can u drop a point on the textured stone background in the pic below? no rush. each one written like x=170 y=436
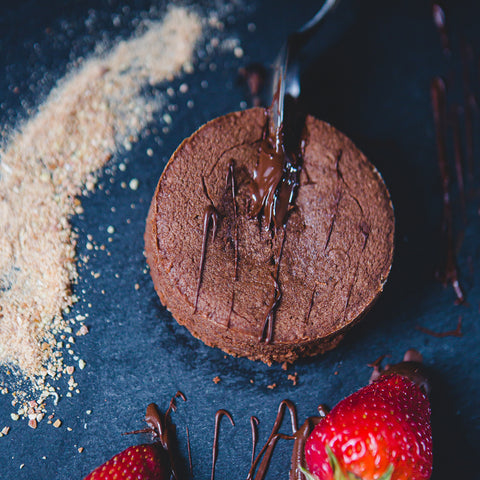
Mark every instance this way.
x=369 y=74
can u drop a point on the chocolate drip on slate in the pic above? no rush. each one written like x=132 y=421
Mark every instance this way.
x=254 y=424
x=449 y=272
x=218 y=417
x=457 y=148
x=164 y=430
x=469 y=104
x=449 y=333
x=411 y=367
x=298 y=454
x=440 y=22
x=189 y=449
x=260 y=465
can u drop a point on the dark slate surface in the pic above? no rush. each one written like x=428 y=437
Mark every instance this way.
x=372 y=82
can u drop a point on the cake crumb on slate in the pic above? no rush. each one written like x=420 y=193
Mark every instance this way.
x=293 y=378
x=216 y=380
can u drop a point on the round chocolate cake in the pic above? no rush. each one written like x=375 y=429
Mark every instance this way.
x=239 y=285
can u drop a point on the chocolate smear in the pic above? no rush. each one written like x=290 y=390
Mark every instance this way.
x=448 y=273
x=262 y=461
x=210 y=217
x=218 y=416
x=439 y=19
x=411 y=367
x=457 y=332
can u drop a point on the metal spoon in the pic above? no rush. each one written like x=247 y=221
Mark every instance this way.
x=286 y=78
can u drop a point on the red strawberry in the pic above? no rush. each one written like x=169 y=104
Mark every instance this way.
x=380 y=432
x=148 y=461
x=143 y=462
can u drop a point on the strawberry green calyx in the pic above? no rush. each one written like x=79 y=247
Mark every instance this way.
x=338 y=473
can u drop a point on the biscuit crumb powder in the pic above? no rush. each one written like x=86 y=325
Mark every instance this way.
x=48 y=161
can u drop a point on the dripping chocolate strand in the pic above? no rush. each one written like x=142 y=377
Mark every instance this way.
x=218 y=416
x=267 y=330
x=469 y=102
x=449 y=333
x=254 y=424
x=457 y=149
x=449 y=273
x=163 y=429
x=267 y=449
x=232 y=187
x=298 y=456
x=210 y=217
x=189 y=450
x=440 y=22
x=337 y=200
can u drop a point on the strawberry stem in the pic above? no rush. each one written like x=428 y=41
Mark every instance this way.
x=339 y=474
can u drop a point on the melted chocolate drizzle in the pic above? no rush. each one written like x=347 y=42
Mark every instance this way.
x=268 y=323
x=163 y=429
x=439 y=19
x=449 y=333
x=276 y=178
x=262 y=461
x=469 y=106
x=232 y=187
x=218 y=416
x=210 y=217
x=254 y=426
x=457 y=148
x=449 y=273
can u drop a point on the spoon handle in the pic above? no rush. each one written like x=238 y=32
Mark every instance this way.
x=286 y=71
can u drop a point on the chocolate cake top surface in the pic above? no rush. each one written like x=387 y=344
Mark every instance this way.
x=334 y=254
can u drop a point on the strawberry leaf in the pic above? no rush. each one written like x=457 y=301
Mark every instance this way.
x=339 y=474
x=388 y=474
x=307 y=474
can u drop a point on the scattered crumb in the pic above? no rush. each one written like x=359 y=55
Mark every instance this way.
x=81 y=364
x=137 y=286
x=293 y=378
x=216 y=380
x=272 y=386
x=252 y=381
x=80 y=449
x=284 y=365
x=57 y=423
x=133 y=184
x=32 y=423
x=14 y=416
x=82 y=331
